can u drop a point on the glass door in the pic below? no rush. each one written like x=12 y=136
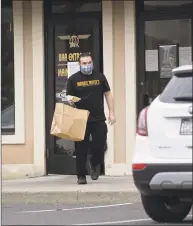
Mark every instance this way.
x=163 y=41
x=67 y=38
x=168 y=44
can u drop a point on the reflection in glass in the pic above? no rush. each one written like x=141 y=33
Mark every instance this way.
x=7 y=69
x=65 y=147
x=76 y=6
x=177 y=31
x=161 y=5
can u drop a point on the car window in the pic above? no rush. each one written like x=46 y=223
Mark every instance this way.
x=178 y=89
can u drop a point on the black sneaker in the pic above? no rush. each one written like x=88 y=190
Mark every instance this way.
x=81 y=180
x=94 y=172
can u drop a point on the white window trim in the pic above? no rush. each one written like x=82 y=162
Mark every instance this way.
x=107 y=8
x=38 y=87
x=112 y=168
x=19 y=136
x=130 y=80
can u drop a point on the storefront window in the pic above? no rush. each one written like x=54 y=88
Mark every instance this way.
x=177 y=32
x=7 y=69
x=168 y=41
x=160 y=5
x=76 y=6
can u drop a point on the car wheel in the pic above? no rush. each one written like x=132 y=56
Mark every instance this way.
x=162 y=209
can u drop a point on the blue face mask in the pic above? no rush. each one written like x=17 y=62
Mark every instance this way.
x=86 y=69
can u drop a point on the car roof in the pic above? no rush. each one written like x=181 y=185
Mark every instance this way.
x=182 y=69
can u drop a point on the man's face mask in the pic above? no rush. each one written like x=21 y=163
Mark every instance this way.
x=87 y=68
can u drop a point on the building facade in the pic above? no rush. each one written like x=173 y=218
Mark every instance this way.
x=41 y=43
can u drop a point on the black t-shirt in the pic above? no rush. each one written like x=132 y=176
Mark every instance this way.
x=91 y=89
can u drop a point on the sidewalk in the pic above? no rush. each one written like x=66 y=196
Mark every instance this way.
x=63 y=189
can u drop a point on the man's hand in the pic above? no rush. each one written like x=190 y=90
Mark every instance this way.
x=110 y=104
x=112 y=118
x=71 y=102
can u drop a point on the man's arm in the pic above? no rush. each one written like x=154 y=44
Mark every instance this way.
x=69 y=91
x=69 y=88
x=110 y=102
x=109 y=99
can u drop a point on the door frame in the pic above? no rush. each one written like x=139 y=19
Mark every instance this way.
x=51 y=19
x=141 y=17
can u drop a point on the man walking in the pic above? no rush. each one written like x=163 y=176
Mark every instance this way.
x=91 y=86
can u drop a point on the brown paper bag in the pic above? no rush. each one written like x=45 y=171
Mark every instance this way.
x=69 y=123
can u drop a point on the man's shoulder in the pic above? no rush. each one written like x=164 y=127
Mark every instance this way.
x=74 y=76
x=100 y=74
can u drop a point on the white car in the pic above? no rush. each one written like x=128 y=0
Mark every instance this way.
x=162 y=160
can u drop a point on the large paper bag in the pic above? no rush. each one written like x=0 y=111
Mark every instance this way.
x=69 y=123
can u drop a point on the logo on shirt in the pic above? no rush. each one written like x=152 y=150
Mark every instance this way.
x=88 y=83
